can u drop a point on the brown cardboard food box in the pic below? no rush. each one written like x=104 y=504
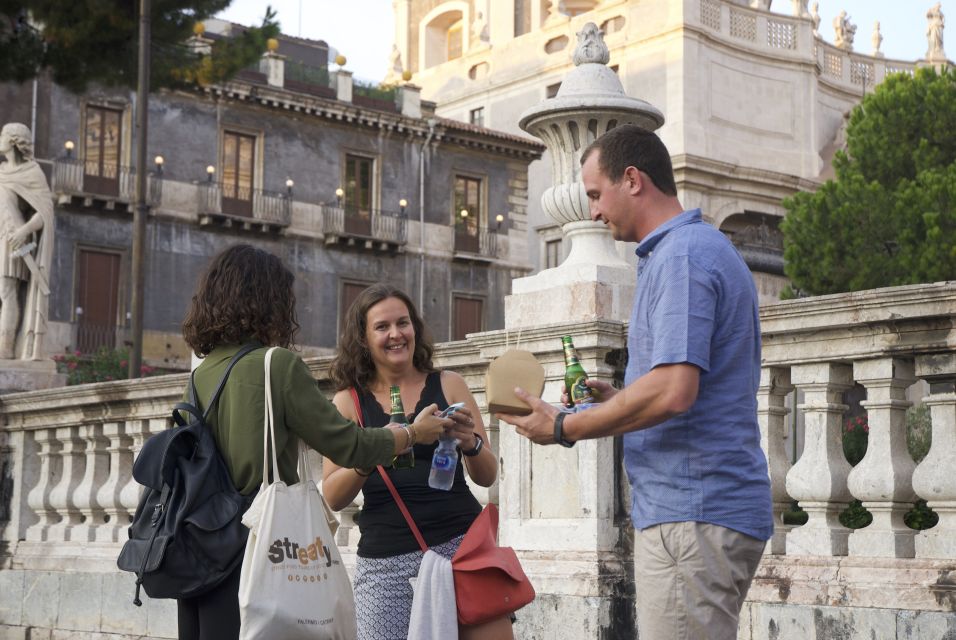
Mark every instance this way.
x=513 y=368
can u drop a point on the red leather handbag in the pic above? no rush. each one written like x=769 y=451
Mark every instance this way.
x=489 y=580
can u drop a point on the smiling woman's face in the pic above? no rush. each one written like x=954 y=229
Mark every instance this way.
x=390 y=334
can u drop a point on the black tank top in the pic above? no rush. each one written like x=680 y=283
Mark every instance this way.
x=440 y=515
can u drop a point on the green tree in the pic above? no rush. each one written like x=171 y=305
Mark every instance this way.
x=97 y=40
x=889 y=217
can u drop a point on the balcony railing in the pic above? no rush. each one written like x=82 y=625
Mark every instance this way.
x=75 y=177
x=478 y=242
x=372 y=225
x=245 y=204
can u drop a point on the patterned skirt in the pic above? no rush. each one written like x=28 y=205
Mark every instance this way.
x=383 y=593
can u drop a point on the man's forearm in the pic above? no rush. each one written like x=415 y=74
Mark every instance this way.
x=662 y=393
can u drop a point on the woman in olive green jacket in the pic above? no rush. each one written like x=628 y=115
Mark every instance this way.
x=245 y=297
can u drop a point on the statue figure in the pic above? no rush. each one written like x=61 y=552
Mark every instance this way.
x=26 y=246
x=877 y=40
x=815 y=16
x=591 y=47
x=479 y=30
x=934 y=33
x=394 y=75
x=799 y=8
x=844 y=31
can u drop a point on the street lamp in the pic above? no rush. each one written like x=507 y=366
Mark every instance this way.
x=464 y=214
x=402 y=204
x=288 y=186
x=68 y=146
x=339 y=194
x=210 y=172
x=158 y=161
x=499 y=219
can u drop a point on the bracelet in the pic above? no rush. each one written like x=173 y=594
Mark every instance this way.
x=364 y=475
x=412 y=435
x=408 y=437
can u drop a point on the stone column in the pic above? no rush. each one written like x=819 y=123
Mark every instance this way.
x=61 y=502
x=501 y=20
x=818 y=479
x=110 y=494
x=934 y=479
x=882 y=480
x=96 y=472
x=343 y=85
x=772 y=417
x=273 y=65
x=51 y=468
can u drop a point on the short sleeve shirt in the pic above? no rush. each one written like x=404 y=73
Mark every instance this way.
x=696 y=304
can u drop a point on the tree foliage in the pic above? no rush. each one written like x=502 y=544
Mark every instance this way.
x=97 y=41
x=889 y=217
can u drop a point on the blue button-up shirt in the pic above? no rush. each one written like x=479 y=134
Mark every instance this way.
x=696 y=303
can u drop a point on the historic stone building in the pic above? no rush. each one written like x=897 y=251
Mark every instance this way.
x=349 y=185
x=754 y=101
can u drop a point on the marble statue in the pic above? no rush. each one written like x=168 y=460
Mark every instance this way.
x=877 y=39
x=26 y=246
x=815 y=16
x=844 y=31
x=934 y=33
x=799 y=8
x=479 y=30
x=395 y=70
x=591 y=47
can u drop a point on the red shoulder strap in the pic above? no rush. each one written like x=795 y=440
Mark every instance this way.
x=388 y=481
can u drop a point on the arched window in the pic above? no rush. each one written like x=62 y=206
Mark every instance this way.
x=443 y=34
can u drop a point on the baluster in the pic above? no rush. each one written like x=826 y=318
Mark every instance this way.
x=882 y=480
x=818 y=479
x=97 y=463
x=137 y=431
x=772 y=416
x=110 y=495
x=934 y=479
x=51 y=466
x=61 y=497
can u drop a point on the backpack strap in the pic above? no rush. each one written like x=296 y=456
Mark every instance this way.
x=192 y=406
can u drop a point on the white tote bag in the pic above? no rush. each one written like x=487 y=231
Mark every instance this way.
x=293 y=583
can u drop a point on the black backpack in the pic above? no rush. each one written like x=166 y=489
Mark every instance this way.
x=187 y=535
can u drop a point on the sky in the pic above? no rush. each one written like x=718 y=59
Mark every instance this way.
x=363 y=30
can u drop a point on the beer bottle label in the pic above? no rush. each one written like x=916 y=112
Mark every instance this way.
x=580 y=392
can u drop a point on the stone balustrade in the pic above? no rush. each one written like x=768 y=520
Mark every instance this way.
x=67 y=495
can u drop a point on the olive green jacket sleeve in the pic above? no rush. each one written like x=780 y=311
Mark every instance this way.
x=300 y=410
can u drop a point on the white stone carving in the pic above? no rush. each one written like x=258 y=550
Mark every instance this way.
x=843 y=31
x=877 y=40
x=934 y=33
x=26 y=246
x=815 y=16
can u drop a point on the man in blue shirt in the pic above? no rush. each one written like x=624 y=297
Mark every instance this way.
x=701 y=504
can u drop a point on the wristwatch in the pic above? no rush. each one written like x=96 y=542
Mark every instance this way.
x=559 y=430
x=471 y=453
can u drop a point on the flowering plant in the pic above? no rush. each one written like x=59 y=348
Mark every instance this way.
x=102 y=366
x=855 y=435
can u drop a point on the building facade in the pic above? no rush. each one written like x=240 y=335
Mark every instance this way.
x=754 y=102
x=348 y=185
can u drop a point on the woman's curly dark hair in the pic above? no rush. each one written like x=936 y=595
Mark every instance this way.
x=353 y=366
x=246 y=294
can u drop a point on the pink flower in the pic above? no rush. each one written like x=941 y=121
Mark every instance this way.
x=77 y=353
x=123 y=364
x=71 y=366
x=866 y=428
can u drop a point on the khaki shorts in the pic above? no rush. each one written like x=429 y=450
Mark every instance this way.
x=691 y=580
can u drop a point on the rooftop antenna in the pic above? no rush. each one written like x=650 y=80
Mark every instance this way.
x=300 y=18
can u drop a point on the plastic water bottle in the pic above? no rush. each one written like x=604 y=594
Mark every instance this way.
x=444 y=463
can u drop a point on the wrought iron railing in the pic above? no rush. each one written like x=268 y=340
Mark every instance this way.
x=371 y=224
x=242 y=202
x=481 y=242
x=73 y=176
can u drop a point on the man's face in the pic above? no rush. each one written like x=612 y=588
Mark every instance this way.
x=610 y=202
x=6 y=143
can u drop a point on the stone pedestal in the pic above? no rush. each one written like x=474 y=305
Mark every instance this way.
x=29 y=375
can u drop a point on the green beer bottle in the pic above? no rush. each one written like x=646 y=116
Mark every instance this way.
x=574 y=375
x=405 y=460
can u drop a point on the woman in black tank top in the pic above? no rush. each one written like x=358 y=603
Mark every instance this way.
x=385 y=343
